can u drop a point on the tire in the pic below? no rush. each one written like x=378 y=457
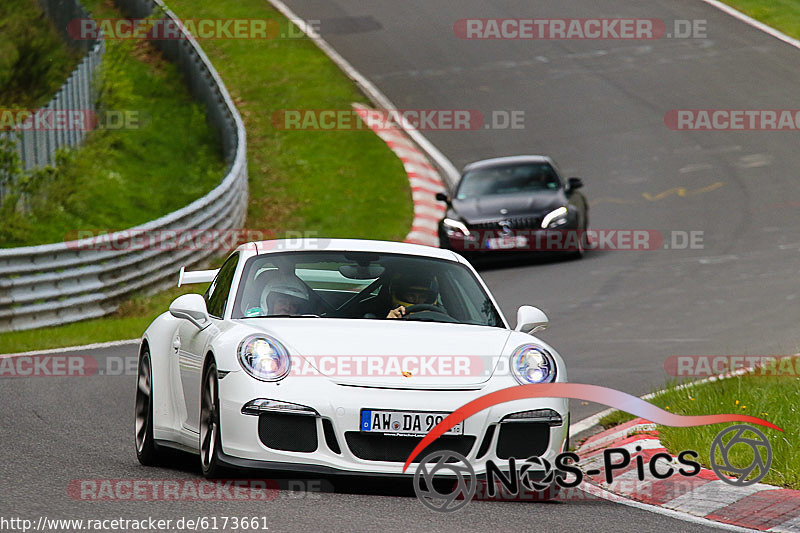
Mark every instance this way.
x=581 y=251
x=147 y=452
x=209 y=423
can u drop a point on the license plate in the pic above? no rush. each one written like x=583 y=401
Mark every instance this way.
x=507 y=242
x=409 y=423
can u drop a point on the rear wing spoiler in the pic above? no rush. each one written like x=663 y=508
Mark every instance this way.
x=197 y=276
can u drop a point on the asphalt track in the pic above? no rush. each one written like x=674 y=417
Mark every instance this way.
x=598 y=108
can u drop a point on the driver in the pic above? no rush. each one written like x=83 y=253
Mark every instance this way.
x=411 y=289
x=285 y=294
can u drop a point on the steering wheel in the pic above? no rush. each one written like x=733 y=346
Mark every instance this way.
x=427 y=312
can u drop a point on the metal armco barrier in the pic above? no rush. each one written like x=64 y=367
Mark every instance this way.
x=64 y=282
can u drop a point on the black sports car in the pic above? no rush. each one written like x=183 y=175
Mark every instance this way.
x=517 y=203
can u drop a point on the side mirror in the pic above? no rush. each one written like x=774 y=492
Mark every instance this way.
x=574 y=183
x=191 y=307
x=442 y=197
x=531 y=319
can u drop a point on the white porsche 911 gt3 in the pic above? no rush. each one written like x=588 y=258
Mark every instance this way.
x=338 y=356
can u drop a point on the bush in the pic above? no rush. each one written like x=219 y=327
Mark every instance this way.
x=34 y=61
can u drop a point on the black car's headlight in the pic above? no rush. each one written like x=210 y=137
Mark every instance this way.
x=555 y=218
x=264 y=358
x=531 y=363
x=452 y=225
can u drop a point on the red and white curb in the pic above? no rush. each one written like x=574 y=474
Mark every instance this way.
x=759 y=507
x=422 y=175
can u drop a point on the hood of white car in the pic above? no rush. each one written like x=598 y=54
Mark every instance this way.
x=389 y=353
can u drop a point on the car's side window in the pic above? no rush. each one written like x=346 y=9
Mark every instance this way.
x=217 y=294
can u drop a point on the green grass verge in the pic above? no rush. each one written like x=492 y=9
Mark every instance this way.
x=123 y=177
x=614 y=418
x=773 y=398
x=335 y=184
x=770 y=397
x=783 y=15
x=34 y=60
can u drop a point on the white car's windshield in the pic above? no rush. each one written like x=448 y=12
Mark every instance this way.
x=362 y=285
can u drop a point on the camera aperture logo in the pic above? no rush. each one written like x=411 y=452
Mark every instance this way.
x=445 y=462
x=720 y=455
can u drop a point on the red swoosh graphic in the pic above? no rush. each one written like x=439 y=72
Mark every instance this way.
x=578 y=391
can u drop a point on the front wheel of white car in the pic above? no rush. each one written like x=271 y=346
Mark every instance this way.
x=148 y=453
x=209 y=423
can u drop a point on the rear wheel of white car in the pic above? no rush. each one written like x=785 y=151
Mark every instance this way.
x=147 y=451
x=209 y=423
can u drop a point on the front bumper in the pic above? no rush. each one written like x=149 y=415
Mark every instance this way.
x=564 y=239
x=339 y=408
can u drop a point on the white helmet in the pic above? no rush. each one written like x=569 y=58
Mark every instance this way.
x=286 y=284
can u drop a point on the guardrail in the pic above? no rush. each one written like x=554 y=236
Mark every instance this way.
x=37 y=148
x=64 y=282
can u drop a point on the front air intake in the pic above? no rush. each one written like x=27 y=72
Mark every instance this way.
x=288 y=432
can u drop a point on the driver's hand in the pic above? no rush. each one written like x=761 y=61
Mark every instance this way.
x=397 y=313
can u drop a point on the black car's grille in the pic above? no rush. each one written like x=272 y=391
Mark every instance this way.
x=378 y=447
x=513 y=223
x=288 y=432
x=522 y=439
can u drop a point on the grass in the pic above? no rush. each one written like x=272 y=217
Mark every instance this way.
x=123 y=177
x=614 y=418
x=34 y=60
x=783 y=15
x=771 y=397
x=328 y=184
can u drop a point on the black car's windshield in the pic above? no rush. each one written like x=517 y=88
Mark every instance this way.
x=507 y=179
x=362 y=285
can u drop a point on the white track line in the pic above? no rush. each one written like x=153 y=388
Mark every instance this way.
x=94 y=346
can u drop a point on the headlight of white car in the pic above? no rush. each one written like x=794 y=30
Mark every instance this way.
x=264 y=358
x=531 y=363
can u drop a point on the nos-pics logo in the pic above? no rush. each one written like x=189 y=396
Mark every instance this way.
x=445 y=481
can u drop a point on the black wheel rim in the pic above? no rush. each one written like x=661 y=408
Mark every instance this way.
x=209 y=421
x=143 y=396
